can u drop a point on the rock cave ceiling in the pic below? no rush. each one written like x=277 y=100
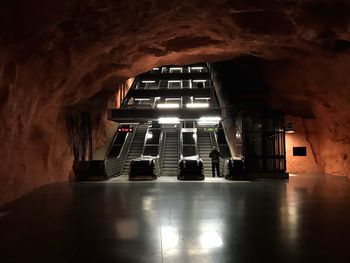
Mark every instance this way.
x=127 y=37
x=57 y=56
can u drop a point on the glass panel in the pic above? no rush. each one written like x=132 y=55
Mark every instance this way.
x=151 y=150
x=154 y=139
x=225 y=151
x=115 y=150
x=189 y=151
x=188 y=138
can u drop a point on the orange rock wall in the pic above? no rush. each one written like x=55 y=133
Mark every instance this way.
x=306 y=135
x=65 y=56
x=324 y=84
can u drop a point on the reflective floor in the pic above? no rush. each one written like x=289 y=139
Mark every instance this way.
x=303 y=219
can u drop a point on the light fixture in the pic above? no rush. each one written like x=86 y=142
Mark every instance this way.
x=142 y=99
x=209 y=120
x=174 y=81
x=168 y=105
x=155 y=68
x=197 y=105
x=175 y=68
x=197 y=68
x=149 y=136
x=202 y=98
x=148 y=81
x=169 y=120
x=290 y=127
x=199 y=80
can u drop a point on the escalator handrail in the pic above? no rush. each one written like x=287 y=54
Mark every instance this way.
x=162 y=150
x=126 y=138
x=111 y=145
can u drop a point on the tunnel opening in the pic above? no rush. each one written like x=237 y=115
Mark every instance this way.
x=173 y=116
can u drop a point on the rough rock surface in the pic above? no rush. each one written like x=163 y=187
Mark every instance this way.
x=64 y=56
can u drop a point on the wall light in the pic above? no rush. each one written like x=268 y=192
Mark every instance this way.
x=290 y=131
x=290 y=127
x=168 y=105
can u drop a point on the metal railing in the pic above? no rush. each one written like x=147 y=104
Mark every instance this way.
x=114 y=166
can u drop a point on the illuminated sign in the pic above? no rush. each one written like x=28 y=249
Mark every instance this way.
x=125 y=129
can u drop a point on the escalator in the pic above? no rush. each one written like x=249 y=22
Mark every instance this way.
x=136 y=148
x=171 y=154
x=190 y=165
x=113 y=161
x=223 y=148
x=205 y=146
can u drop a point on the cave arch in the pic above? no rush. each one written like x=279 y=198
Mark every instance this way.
x=67 y=55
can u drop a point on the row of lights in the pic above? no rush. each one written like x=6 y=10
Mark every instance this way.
x=210 y=120
x=176 y=105
x=173 y=81
x=194 y=68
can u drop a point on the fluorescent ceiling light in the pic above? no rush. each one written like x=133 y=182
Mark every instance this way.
x=148 y=81
x=197 y=105
x=209 y=120
x=175 y=68
x=197 y=68
x=168 y=120
x=199 y=80
x=204 y=98
x=155 y=68
x=207 y=123
x=174 y=81
x=141 y=99
x=168 y=105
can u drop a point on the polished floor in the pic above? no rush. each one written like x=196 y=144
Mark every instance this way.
x=303 y=219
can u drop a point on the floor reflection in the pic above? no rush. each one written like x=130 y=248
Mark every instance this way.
x=303 y=219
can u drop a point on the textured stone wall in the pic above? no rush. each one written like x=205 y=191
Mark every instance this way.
x=305 y=135
x=65 y=56
x=320 y=85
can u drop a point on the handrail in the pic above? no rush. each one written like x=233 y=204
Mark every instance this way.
x=129 y=146
x=111 y=145
x=126 y=138
x=162 y=150
x=196 y=140
x=118 y=161
x=214 y=140
x=180 y=142
x=145 y=141
x=126 y=97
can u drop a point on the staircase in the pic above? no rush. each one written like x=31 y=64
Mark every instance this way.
x=171 y=154
x=205 y=146
x=135 y=148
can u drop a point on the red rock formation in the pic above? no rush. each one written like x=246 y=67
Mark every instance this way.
x=59 y=57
